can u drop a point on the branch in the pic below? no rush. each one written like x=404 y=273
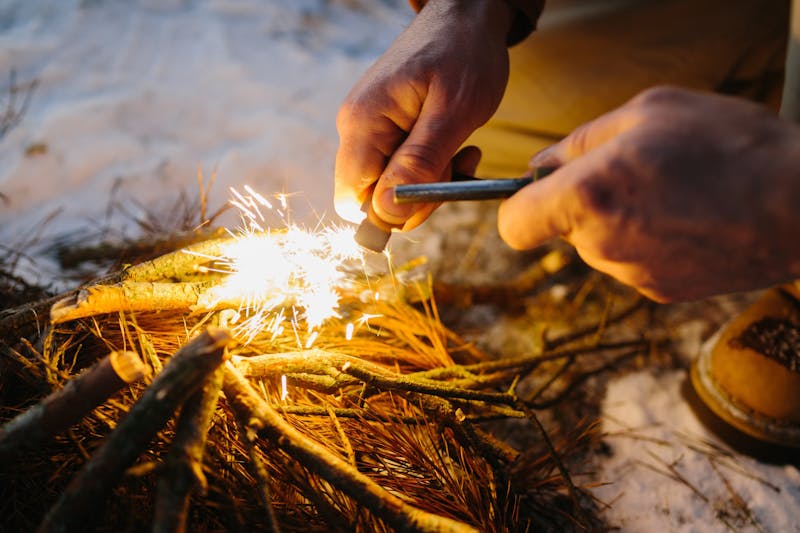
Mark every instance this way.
x=65 y=407
x=257 y=416
x=594 y=328
x=183 y=468
x=74 y=255
x=126 y=296
x=182 y=265
x=182 y=375
x=259 y=471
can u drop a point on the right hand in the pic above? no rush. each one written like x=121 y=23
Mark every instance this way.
x=679 y=194
x=403 y=121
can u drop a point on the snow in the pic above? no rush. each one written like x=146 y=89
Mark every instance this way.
x=651 y=429
x=138 y=94
x=144 y=92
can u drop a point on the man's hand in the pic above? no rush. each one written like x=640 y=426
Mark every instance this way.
x=679 y=194
x=403 y=121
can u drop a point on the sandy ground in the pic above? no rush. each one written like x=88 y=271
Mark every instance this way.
x=131 y=97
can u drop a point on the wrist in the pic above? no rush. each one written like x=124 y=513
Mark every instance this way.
x=492 y=18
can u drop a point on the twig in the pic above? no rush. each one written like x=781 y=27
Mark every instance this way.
x=580 y=378
x=13 y=112
x=433 y=388
x=68 y=405
x=302 y=365
x=526 y=363
x=490 y=448
x=335 y=364
x=551 y=379
x=128 y=296
x=504 y=294
x=259 y=471
x=571 y=488
x=183 y=468
x=185 y=371
x=314 y=361
x=178 y=266
x=26 y=319
x=589 y=330
x=129 y=292
x=70 y=256
x=736 y=499
x=259 y=417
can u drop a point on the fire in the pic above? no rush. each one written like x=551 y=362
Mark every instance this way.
x=272 y=271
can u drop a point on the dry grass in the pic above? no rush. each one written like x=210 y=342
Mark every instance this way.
x=484 y=436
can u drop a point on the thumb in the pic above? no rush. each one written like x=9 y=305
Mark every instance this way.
x=464 y=162
x=424 y=157
x=537 y=212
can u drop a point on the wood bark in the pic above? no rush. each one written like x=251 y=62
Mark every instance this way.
x=182 y=375
x=258 y=416
x=67 y=406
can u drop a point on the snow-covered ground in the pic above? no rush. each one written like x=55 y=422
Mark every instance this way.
x=136 y=94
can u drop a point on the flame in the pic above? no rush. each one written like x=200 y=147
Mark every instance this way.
x=269 y=271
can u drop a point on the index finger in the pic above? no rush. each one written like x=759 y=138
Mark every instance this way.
x=365 y=144
x=588 y=136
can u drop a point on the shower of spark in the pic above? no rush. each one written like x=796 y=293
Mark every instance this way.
x=270 y=271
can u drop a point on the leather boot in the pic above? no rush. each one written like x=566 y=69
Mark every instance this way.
x=749 y=373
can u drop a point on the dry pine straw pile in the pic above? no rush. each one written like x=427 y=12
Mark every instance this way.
x=404 y=426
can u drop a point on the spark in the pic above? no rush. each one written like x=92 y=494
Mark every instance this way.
x=311 y=339
x=284 y=388
x=270 y=271
x=366 y=317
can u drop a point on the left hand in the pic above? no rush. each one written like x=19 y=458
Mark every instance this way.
x=403 y=121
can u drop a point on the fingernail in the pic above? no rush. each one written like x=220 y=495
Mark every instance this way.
x=543 y=158
x=392 y=212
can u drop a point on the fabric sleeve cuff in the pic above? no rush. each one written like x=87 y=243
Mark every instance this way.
x=524 y=22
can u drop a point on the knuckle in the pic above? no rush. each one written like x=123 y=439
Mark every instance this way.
x=350 y=116
x=419 y=162
x=596 y=197
x=579 y=140
x=659 y=96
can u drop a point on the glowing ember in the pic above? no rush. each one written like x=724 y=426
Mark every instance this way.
x=269 y=271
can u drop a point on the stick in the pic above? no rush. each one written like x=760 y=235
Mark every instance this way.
x=72 y=256
x=256 y=415
x=259 y=471
x=65 y=407
x=127 y=296
x=572 y=490
x=183 y=468
x=335 y=365
x=184 y=372
x=182 y=265
x=505 y=294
